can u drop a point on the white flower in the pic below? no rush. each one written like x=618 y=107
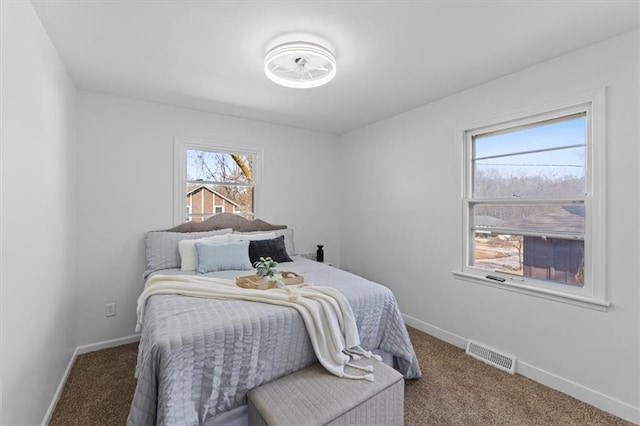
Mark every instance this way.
x=276 y=277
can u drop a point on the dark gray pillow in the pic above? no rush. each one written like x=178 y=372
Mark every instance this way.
x=288 y=238
x=274 y=248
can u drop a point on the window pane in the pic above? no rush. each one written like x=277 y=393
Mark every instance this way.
x=531 y=218
x=550 y=259
x=495 y=252
x=544 y=135
x=555 y=173
x=543 y=160
x=219 y=166
x=205 y=200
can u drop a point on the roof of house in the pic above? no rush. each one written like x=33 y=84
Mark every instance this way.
x=202 y=186
x=554 y=219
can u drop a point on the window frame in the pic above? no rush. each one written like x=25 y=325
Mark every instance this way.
x=594 y=292
x=182 y=144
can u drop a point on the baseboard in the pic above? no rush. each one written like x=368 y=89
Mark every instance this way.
x=592 y=397
x=107 y=344
x=56 y=395
x=434 y=331
x=79 y=351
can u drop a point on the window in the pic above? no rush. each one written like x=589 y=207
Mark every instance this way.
x=532 y=203
x=212 y=180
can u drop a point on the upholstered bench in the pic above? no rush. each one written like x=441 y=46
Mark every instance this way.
x=314 y=396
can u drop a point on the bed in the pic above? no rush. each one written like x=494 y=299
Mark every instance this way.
x=199 y=357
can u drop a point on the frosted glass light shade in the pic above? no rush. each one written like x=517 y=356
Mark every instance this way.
x=300 y=65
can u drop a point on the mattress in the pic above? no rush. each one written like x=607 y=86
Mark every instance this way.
x=198 y=358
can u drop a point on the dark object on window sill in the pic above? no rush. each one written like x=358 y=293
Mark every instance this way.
x=320 y=254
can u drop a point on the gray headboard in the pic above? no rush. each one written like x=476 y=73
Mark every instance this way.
x=226 y=220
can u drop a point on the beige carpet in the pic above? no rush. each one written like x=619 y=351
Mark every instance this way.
x=455 y=390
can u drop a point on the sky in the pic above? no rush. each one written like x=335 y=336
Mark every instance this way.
x=555 y=134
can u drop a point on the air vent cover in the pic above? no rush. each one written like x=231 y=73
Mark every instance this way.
x=492 y=357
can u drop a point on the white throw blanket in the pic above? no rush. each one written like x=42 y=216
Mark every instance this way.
x=325 y=311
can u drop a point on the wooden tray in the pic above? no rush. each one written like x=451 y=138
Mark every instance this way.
x=257 y=283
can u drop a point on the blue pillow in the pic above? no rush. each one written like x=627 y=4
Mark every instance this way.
x=214 y=257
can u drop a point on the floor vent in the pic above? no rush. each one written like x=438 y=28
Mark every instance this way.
x=492 y=357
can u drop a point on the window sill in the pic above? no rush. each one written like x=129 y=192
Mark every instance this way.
x=599 y=305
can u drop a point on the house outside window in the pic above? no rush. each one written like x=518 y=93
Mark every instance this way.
x=202 y=202
x=533 y=207
x=213 y=179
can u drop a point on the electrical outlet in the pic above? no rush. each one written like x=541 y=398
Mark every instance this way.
x=110 y=309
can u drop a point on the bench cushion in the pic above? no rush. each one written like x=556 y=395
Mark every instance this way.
x=313 y=396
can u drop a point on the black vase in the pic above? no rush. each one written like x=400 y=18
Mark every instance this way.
x=320 y=254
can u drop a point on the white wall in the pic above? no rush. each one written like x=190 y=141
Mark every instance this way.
x=403 y=195
x=37 y=217
x=126 y=188
x=72 y=222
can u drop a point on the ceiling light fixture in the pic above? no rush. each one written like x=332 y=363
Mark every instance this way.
x=300 y=65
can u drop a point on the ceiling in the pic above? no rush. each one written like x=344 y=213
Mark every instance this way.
x=392 y=55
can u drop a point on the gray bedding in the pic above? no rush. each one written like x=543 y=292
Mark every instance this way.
x=199 y=357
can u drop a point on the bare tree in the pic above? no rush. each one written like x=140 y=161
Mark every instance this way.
x=232 y=174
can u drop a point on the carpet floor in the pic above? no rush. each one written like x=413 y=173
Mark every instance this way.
x=455 y=389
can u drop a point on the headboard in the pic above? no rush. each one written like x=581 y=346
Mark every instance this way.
x=226 y=220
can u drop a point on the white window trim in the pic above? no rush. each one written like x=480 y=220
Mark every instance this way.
x=594 y=294
x=183 y=143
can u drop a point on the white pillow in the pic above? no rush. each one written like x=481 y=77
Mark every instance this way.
x=288 y=238
x=188 y=255
x=252 y=236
